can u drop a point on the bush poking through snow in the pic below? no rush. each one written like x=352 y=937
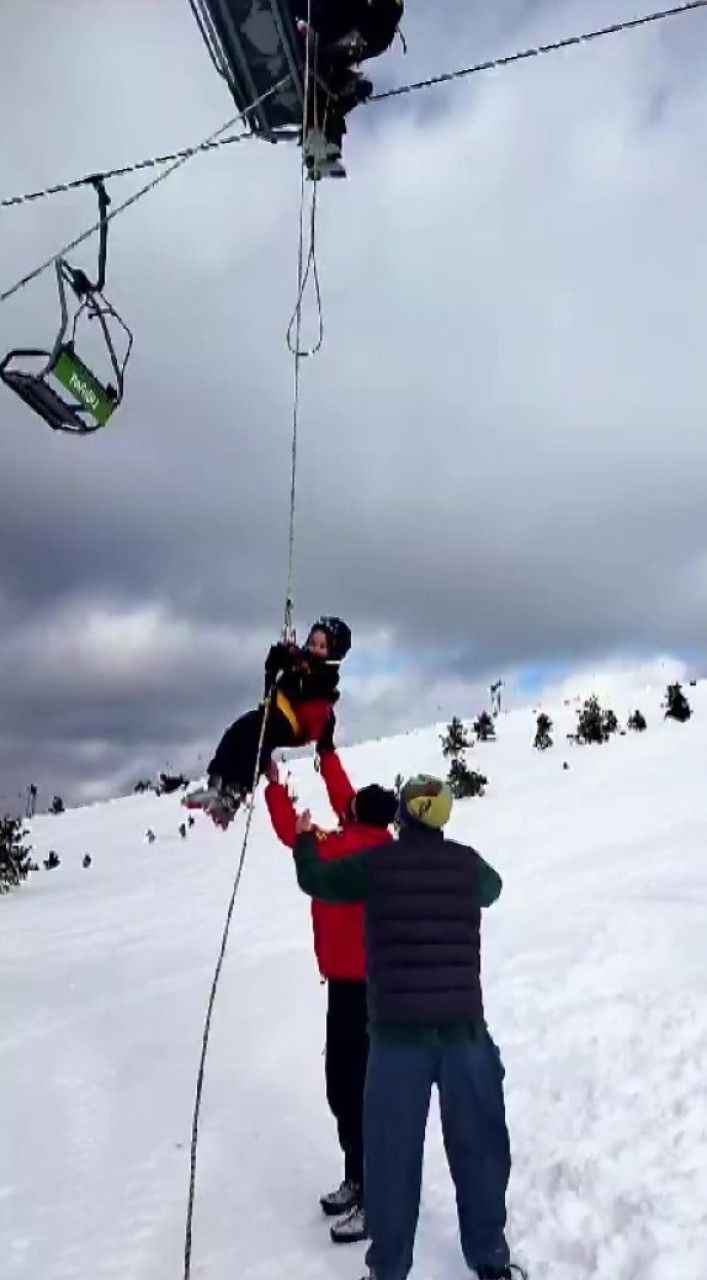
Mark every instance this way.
x=637 y=722
x=57 y=805
x=484 y=728
x=52 y=861
x=594 y=724
x=171 y=782
x=456 y=739
x=611 y=724
x=676 y=704
x=543 y=730
x=15 y=861
x=465 y=782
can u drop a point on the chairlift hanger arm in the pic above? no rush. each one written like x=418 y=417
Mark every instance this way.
x=81 y=284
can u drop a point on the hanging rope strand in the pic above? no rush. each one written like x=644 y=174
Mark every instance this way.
x=296 y=350
x=212 y=996
x=138 y=195
x=288 y=630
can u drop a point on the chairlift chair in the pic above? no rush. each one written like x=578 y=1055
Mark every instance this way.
x=92 y=401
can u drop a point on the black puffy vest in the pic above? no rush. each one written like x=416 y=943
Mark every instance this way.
x=422 y=931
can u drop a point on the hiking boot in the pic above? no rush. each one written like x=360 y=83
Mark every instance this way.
x=334 y=1203
x=351 y=1229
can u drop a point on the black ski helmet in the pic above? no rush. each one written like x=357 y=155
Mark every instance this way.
x=337 y=633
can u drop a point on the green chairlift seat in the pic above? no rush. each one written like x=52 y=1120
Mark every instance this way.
x=43 y=378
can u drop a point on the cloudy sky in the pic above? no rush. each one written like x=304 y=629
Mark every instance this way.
x=503 y=444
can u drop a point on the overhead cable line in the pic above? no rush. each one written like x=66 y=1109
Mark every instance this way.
x=138 y=195
x=153 y=163
x=568 y=42
x=490 y=65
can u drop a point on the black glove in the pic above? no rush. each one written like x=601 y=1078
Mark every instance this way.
x=279 y=659
x=325 y=742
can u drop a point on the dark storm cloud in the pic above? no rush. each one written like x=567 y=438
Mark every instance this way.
x=502 y=451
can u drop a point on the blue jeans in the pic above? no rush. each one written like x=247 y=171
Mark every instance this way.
x=469 y=1076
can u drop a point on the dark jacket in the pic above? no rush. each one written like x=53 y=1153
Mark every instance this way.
x=423 y=898
x=300 y=676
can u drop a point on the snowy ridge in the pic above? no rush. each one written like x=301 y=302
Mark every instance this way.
x=595 y=981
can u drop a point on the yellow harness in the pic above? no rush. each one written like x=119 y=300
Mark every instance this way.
x=284 y=705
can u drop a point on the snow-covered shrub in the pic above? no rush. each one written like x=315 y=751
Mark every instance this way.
x=484 y=728
x=15 y=861
x=676 y=704
x=464 y=782
x=543 y=730
x=592 y=722
x=455 y=740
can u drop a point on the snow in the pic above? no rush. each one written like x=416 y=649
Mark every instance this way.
x=595 y=979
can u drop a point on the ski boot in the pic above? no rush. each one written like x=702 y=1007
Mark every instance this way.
x=219 y=800
x=322 y=156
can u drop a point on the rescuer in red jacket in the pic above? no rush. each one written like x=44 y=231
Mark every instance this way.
x=364 y=817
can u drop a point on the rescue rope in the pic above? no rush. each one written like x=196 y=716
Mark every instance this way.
x=288 y=633
x=212 y=996
x=296 y=349
x=138 y=195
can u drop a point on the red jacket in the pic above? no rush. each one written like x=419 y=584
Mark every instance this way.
x=308 y=719
x=338 y=929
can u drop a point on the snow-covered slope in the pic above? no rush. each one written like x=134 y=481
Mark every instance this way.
x=595 y=971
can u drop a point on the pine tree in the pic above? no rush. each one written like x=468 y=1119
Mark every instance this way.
x=542 y=733
x=464 y=782
x=677 y=705
x=57 y=805
x=637 y=722
x=591 y=725
x=484 y=728
x=15 y=860
x=456 y=740
x=611 y=723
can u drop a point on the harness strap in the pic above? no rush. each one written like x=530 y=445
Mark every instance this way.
x=284 y=705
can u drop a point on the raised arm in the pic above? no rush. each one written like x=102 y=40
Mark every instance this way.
x=337 y=783
x=283 y=814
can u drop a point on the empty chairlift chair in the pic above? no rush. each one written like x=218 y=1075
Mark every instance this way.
x=43 y=378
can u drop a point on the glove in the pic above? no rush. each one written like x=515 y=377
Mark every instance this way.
x=279 y=659
x=325 y=742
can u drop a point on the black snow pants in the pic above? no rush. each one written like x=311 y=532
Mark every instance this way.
x=234 y=761
x=346 y=1060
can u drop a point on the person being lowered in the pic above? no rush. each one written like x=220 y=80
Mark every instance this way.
x=303 y=688
x=347 y=33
